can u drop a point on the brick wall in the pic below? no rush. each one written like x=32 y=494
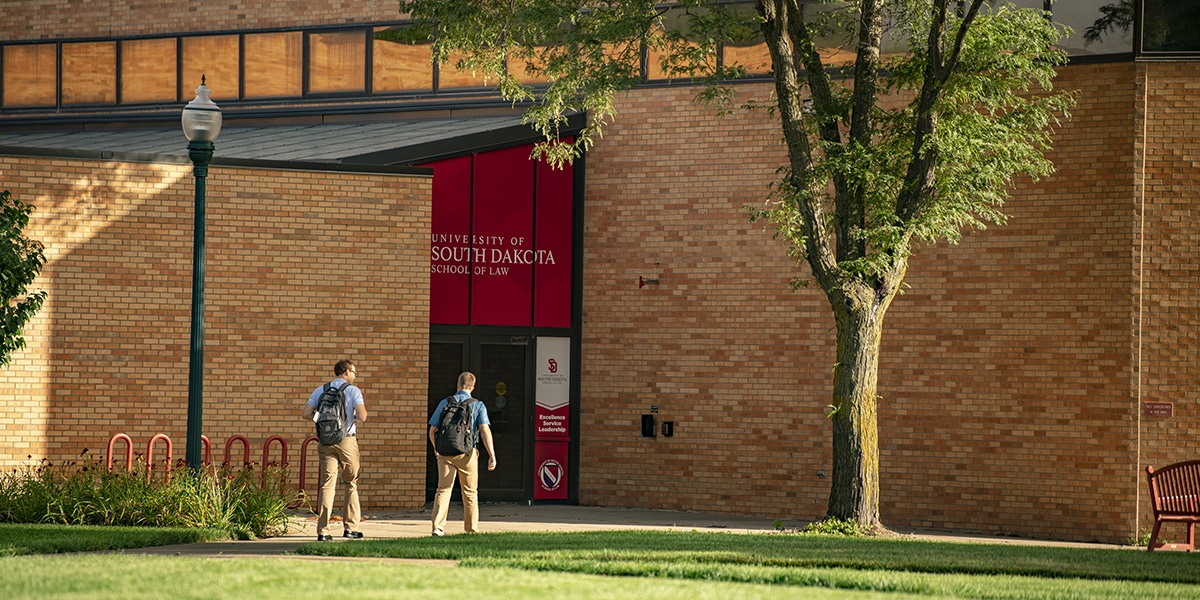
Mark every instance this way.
x=65 y=19
x=1008 y=362
x=1008 y=371
x=1170 y=347
x=727 y=352
x=303 y=268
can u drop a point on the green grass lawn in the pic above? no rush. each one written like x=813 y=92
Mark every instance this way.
x=18 y=539
x=600 y=565
x=894 y=566
x=132 y=577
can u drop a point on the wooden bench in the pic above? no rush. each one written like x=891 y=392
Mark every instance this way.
x=1175 y=495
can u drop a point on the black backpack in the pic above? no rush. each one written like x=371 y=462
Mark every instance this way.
x=456 y=431
x=332 y=423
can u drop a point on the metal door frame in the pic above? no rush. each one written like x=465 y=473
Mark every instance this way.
x=472 y=358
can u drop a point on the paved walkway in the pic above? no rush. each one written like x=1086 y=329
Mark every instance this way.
x=514 y=517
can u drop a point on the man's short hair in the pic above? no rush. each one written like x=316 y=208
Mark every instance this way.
x=466 y=380
x=342 y=366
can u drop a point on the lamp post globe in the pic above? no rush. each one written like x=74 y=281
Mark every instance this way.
x=201 y=117
x=201 y=124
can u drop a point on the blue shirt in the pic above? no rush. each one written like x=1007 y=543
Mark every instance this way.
x=354 y=397
x=478 y=412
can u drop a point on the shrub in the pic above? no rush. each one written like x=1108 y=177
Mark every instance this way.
x=246 y=502
x=835 y=526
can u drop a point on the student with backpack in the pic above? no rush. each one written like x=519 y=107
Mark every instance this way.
x=337 y=409
x=456 y=427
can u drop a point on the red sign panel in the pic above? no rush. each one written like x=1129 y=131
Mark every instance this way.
x=501 y=241
x=450 y=246
x=552 y=274
x=502 y=238
x=552 y=424
x=550 y=460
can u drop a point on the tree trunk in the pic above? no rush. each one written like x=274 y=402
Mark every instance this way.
x=854 y=495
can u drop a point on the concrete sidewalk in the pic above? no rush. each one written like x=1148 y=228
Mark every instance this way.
x=515 y=517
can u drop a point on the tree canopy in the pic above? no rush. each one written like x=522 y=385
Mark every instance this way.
x=21 y=260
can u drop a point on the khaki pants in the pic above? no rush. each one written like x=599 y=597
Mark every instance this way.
x=338 y=459
x=466 y=468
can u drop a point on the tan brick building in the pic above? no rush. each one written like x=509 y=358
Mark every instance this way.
x=1024 y=372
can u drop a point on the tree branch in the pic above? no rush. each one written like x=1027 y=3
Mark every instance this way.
x=918 y=181
x=776 y=28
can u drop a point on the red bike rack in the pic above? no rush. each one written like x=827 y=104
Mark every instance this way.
x=128 y=451
x=245 y=446
x=283 y=459
x=150 y=456
x=207 y=460
x=304 y=469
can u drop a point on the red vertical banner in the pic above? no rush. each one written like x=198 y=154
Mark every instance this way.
x=552 y=418
x=552 y=264
x=502 y=238
x=450 y=244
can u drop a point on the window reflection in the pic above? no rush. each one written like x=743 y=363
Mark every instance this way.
x=214 y=57
x=87 y=73
x=450 y=77
x=337 y=62
x=1171 y=27
x=148 y=70
x=30 y=75
x=1082 y=15
x=273 y=66
x=399 y=65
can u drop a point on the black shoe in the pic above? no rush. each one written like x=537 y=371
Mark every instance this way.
x=324 y=538
x=352 y=534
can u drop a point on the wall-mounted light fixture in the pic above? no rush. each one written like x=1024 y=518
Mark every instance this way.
x=806 y=106
x=643 y=282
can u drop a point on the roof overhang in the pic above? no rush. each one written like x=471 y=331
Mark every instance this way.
x=400 y=142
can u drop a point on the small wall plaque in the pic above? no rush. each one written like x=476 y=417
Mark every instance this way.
x=1158 y=409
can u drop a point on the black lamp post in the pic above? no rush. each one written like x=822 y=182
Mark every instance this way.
x=201 y=125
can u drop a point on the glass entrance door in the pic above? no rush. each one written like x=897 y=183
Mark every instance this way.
x=447 y=358
x=501 y=365
x=503 y=386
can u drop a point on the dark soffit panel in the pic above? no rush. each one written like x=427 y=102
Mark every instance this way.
x=371 y=143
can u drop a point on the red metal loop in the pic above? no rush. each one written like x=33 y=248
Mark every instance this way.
x=150 y=456
x=128 y=452
x=283 y=459
x=245 y=446
x=207 y=450
x=303 y=470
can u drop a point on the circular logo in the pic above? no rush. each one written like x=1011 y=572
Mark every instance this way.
x=550 y=474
